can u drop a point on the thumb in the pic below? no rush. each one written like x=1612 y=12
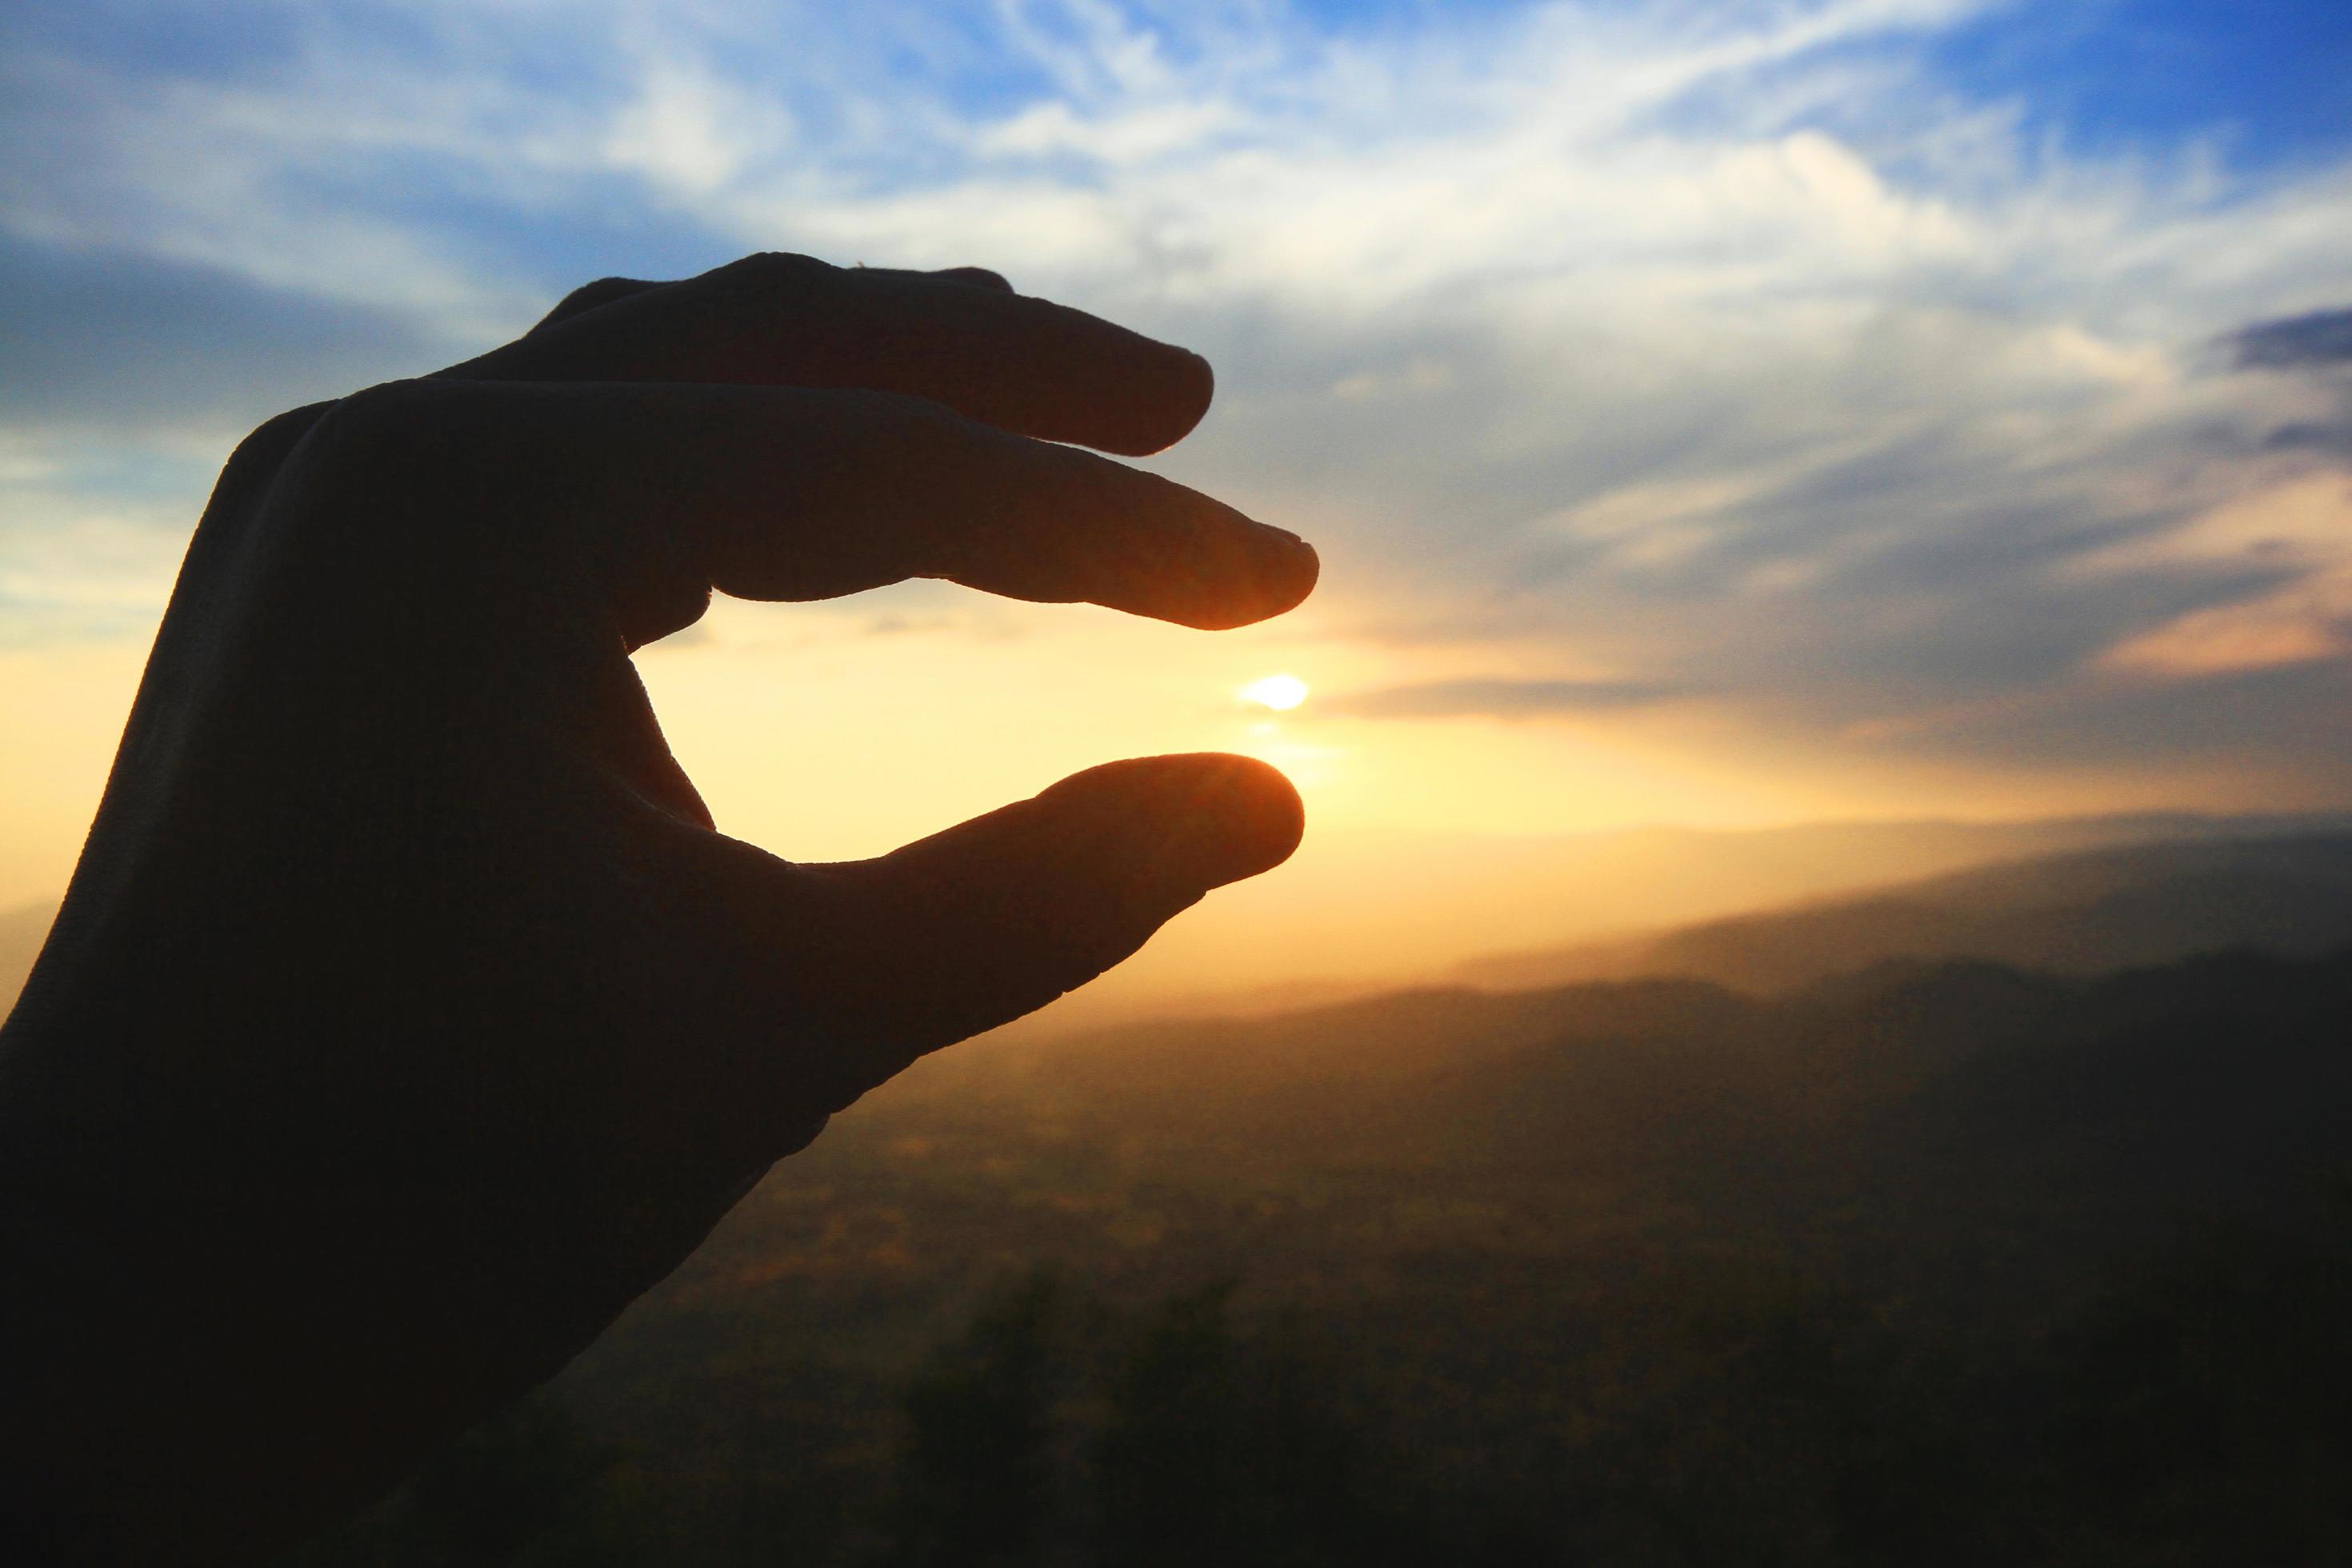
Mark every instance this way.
x=998 y=916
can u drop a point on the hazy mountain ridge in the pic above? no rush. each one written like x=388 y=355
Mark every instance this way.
x=1962 y=1129
x=1608 y=1252
x=1905 y=1266
x=1916 y=1071
x=2080 y=913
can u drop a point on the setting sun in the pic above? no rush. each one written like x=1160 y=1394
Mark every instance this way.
x=1279 y=692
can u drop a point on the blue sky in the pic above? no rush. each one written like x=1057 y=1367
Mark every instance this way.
x=2269 y=80
x=1857 y=373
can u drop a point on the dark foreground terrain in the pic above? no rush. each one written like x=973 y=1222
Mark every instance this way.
x=1940 y=1262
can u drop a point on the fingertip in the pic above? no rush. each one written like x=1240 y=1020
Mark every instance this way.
x=1265 y=818
x=997 y=916
x=1292 y=569
x=1156 y=413
x=1215 y=817
x=1279 y=572
x=1195 y=386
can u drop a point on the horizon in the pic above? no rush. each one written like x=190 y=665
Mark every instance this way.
x=1217 y=964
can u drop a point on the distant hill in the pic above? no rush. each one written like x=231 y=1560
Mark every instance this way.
x=2083 y=1112
x=2079 y=913
x=1930 y=1262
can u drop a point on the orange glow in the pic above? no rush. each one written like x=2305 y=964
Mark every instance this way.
x=840 y=731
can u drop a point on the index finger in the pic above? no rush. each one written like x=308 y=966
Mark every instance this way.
x=1023 y=364
x=784 y=493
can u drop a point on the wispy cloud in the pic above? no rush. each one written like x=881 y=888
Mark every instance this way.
x=1495 y=698
x=2315 y=337
x=117 y=342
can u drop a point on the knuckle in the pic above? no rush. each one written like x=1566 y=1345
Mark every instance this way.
x=258 y=456
x=979 y=278
x=588 y=295
x=275 y=435
x=785 y=272
x=598 y=290
x=356 y=437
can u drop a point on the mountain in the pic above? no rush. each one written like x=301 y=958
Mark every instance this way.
x=1938 y=1063
x=2080 y=913
x=2072 y=1116
x=1930 y=1262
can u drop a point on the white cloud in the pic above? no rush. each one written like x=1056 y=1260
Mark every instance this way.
x=689 y=130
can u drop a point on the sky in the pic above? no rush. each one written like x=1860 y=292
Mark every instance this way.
x=1712 y=412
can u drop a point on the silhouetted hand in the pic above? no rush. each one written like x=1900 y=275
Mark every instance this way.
x=408 y=1017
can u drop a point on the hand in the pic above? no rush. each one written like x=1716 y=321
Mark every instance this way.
x=408 y=1015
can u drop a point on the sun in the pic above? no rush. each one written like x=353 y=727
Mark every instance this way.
x=1279 y=692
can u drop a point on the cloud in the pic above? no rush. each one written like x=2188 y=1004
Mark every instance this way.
x=1495 y=698
x=1725 y=340
x=136 y=345
x=2291 y=546
x=2315 y=337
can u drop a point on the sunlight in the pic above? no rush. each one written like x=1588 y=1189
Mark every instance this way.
x=1279 y=692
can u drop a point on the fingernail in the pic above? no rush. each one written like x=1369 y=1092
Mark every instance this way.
x=1203 y=390
x=1294 y=572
